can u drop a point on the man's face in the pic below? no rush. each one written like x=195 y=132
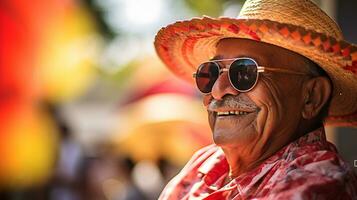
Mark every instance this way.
x=271 y=110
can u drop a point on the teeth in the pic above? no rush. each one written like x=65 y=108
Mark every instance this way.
x=232 y=113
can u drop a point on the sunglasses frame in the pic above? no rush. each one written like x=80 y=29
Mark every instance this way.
x=260 y=69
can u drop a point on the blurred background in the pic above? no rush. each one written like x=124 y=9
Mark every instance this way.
x=87 y=110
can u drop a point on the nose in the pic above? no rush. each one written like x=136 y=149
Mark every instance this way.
x=223 y=87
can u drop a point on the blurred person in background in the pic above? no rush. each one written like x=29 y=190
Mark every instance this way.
x=96 y=170
x=108 y=175
x=167 y=169
x=130 y=190
x=271 y=79
x=65 y=178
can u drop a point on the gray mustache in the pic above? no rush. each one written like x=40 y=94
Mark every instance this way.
x=232 y=102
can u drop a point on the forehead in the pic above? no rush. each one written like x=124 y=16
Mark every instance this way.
x=262 y=52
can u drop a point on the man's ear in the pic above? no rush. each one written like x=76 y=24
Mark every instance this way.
x=316 y=93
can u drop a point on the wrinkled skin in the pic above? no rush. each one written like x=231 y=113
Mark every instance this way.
x=282 y=107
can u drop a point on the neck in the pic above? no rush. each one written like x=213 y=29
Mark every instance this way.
x=241 y=161
x=244 y=158
x=309 y=125
x=237 y=164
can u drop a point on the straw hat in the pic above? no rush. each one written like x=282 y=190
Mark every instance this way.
x=297 y=25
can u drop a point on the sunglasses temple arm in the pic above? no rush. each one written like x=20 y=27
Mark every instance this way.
x=204 y=75
x=262 y=69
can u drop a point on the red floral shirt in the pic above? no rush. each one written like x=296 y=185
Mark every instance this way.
x=308 y=168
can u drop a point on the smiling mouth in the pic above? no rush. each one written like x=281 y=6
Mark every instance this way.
x=232 y=113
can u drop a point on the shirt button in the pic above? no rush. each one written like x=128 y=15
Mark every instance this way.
x=199 y=175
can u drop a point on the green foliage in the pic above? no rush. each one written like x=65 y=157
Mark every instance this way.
x=120 y=78
x=213 y=8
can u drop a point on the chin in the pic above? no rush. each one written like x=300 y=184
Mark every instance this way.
x=235 y=138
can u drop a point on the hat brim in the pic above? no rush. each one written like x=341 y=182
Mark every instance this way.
x=182 y=46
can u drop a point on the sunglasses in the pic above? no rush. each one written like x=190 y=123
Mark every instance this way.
x=243 y=74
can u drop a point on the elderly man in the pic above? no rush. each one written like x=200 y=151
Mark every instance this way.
x=271 y=79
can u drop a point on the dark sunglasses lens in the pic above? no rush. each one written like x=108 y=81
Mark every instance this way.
x=243 y=74
x=206 y=76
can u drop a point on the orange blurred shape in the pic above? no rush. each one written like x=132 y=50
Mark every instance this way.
x=46 y=47
x=26 y=136
x=17 y=55
x=27 y=147
x=167 y=125
x=68 y=55
x=175 y=141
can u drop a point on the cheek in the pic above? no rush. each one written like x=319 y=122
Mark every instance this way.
x=263 y=96
x=206 y=99
x=211 y=117
x=266 y=96
x=278 y=103
x=211 y=120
